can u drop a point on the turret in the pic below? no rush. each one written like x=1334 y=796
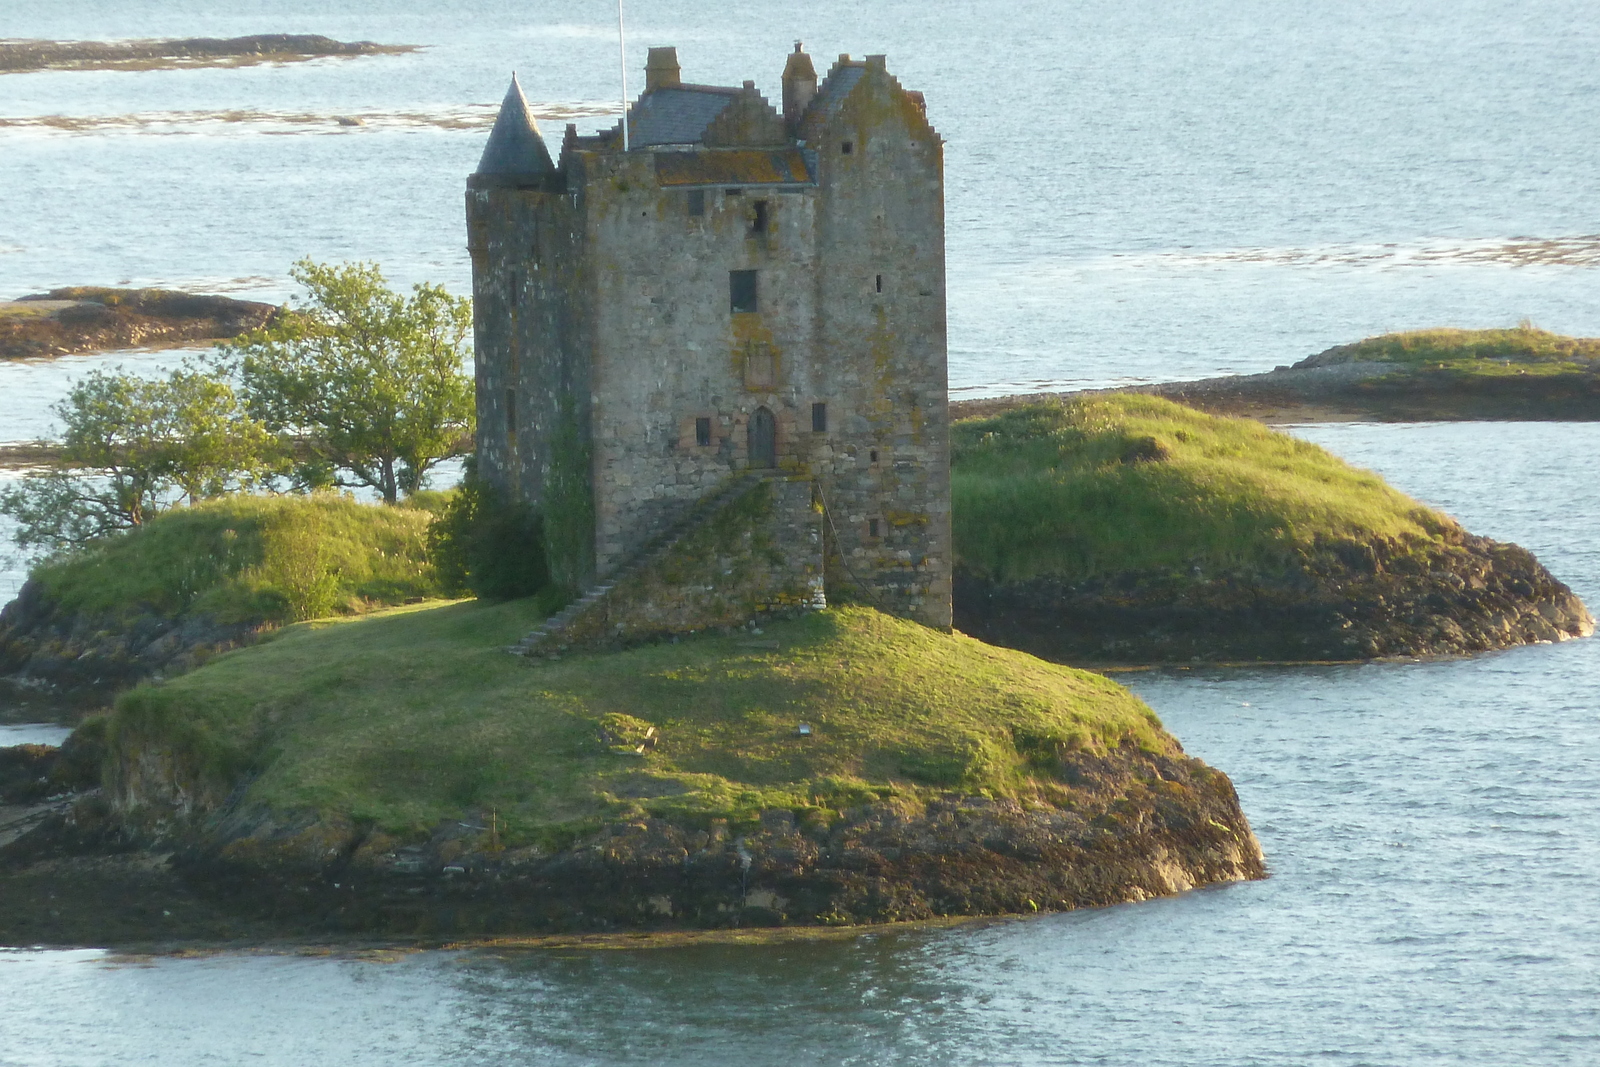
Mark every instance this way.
x=516 y=153
x=799 y=86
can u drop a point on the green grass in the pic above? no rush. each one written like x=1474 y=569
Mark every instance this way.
x=247 y=558
x=1526 y=344
x=1135 y=483
x=418 y=715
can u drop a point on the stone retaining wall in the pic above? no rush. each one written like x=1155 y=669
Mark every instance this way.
x=759 y=553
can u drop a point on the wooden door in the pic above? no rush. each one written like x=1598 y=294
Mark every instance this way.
x=763 y=439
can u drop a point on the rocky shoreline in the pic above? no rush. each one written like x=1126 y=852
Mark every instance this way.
x=96 y=319
x=61 y=665
x=1344 y=602
x=147 y=859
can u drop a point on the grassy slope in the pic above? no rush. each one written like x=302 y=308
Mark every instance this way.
x=415 y=715
x=243 y=558
x=1524 y=350
x=1136 y=483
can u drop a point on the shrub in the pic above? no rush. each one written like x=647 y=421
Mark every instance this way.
x=482 y=543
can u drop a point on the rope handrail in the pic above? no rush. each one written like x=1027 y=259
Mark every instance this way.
x=827 y=513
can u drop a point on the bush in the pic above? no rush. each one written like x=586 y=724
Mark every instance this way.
x=487 y=545
x=295 y=560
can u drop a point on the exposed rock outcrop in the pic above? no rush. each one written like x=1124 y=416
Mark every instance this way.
x=1346 y=602
x=94 y=319
x=59 y=665
x=1128 y=825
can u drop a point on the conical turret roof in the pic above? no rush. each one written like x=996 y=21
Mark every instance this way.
x=515 y=152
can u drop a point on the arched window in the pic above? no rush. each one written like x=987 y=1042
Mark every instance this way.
x=763 y=439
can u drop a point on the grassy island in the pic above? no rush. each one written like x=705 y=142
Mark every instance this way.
x=402 y=773
x=394 y=770
x=1525 y=348
x=1135 y=483
x=1523 y=374
x=165 y=596
x=417 y=714
x=1128 y=528
x=91 y=318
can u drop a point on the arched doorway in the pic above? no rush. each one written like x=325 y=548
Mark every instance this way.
x=763 y=439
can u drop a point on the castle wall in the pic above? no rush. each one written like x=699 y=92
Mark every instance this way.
x=533 y=322
x=880 y=279
x=670 y=350
x=758 y=554
x=603 y=315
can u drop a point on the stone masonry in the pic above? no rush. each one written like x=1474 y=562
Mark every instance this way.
x=757 y=554
x=739 y=290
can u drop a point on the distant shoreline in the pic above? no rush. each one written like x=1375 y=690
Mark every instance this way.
x=23 y=56
x=1520 y=375
x=87 y=319
x=1357 y=392
x=1354 y=392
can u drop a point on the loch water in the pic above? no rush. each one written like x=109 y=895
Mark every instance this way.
x=1137 y=191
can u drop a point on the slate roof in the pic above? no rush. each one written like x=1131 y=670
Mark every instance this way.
x=831 y=96
x=678 y=115
x=515 y=151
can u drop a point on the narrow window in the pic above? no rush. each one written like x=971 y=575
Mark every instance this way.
x=511 y=411
x=702 y=431
x=847 y=147
x=879 y=283
x=873 y=528
x=514 y=285
x=819 y=418
x=758 y=222
x=874 y=455
x=742 y=291
x=697 y=202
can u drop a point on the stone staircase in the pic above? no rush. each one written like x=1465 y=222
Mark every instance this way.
x=547 y=638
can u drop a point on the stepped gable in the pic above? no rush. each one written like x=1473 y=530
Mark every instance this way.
x=671 y=112
x=516 y=153
x=675 y=116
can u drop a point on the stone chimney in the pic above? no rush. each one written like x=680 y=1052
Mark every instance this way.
x=661 y=70
x=799 y=86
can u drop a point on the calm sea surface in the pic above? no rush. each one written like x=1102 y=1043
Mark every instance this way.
x=1137 y=191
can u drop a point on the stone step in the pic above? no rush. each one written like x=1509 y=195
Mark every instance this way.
x=552 y=627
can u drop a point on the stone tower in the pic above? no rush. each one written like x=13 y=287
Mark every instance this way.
x=740 y=290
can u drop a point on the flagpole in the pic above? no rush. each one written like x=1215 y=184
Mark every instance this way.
x=622 y=61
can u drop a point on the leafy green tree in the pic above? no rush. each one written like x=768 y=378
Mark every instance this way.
x=134 y=447
x=369 y=384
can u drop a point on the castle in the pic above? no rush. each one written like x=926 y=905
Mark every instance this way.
x=725 y=293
